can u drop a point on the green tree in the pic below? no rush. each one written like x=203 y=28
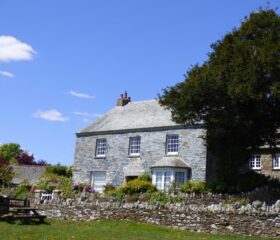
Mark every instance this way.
x=6 y=173
x=10 y=151
x=235 y=93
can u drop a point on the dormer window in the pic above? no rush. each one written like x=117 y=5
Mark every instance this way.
x=172 y=144
x=101 y=146
x=134 y=146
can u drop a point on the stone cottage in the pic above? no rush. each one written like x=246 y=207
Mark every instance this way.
x=135 y=138
x=140 y=137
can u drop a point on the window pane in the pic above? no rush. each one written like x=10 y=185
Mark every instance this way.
x=167 y=180
x=255 y=162
x=134 y=145
x=179 y=178
x=101 y=145
x=159 y=180
x=98 y=181
x=276 y=161
x=172 y=143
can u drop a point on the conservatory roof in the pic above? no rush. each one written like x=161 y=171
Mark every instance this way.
x=170 y=161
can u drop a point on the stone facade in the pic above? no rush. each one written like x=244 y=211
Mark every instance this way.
x=118 y=164
x=266 y=156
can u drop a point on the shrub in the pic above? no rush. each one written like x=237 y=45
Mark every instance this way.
x=117 y=195
x=143 y=197
x=6 y=172
x=50 y=181
x=131 y=198
x=89 y=189
x=60 y=170
x=23 y=189
x=164 y=198
x=78 y=187
x=66 y=187
x=194 y=187
x=108 y=188
x=159 y=197
x=145 y=177
x=137 y=186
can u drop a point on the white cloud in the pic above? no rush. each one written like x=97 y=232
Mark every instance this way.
x=12 y=49
x=6 y=74
x=81 y=95
x=51 y=115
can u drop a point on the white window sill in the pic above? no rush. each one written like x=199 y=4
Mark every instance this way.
x=172 y=154
x=259 y=168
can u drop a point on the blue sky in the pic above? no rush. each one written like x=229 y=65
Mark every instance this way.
x=64 y=63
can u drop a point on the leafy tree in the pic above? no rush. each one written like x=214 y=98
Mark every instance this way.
x=24 y=158
x=10 y=151
x=6 y=173
x=235 y=93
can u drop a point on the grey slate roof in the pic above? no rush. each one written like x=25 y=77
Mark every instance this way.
x=170 y=161
x=134 y=115
x=28 y=172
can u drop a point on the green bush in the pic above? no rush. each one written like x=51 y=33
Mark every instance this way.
x=50 y=181
x=137 y=186
x=23 y=189
x=117 y=195
x=145 y=177
x=143 y=197
x=164 y=198
x=109 y=188
x=194 y=187
x=131 y=198
x=6 y=175
x=60 y=170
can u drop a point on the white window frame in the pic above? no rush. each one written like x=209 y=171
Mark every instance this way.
x=101 y=147
x=172 y=144
x=276 y=161
x=158 y=179
x=98 y=180
x=255 y=162
x=163 y=177
x=134 y=146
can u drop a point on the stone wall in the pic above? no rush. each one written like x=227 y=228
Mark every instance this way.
x=118 y=163
x=256 y=219
x=266 y=169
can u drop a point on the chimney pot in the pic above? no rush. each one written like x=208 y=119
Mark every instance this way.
x=123 y=100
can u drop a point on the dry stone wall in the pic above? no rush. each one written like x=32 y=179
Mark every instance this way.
x=256 y=219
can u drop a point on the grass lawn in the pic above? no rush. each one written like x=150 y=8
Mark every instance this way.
x=124 y=230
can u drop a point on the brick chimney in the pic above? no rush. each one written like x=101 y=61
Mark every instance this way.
x=123 y=100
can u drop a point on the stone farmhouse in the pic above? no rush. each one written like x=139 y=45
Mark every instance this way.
x=140 y=137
